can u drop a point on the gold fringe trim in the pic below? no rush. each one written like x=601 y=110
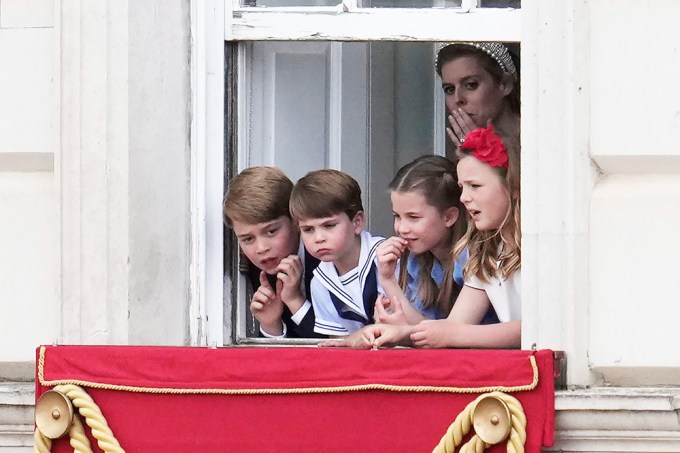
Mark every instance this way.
x=302 y=390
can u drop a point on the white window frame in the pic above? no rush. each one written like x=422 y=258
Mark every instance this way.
x=206 y=306
x=347 y=22
x=210 y=293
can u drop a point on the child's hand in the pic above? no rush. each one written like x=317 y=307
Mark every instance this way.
x=356 y=340
x=388 y=311
x=433 y=334
x=461 y=125
x=387 y=334
x=289 y=273
x=267 y=307
x=388 y=253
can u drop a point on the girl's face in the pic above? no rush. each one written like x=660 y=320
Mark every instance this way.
x=266 y=244
x=470 y=87
x=421 y=224
x=484 y=194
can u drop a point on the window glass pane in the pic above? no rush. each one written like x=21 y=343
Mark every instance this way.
x=286 y=3
x=500 y=3
x=366 y=108
x=409 y=3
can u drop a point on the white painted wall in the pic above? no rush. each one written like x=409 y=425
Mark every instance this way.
x=635 y=207
x=27 y=263
x=94 y=174
x=28 y=195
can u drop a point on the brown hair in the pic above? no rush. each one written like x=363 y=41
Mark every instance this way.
x=484 y=262
x=257 y=195
x=435 y=178
x=324 y=193
x=453 y=51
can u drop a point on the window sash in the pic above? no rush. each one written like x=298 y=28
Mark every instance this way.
x=341 y=5
x=477 y=24
x=357 y=24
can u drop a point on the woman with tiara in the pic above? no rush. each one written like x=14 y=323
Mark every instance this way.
x=481 y=87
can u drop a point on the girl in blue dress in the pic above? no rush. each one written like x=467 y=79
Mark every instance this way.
x=420 y=278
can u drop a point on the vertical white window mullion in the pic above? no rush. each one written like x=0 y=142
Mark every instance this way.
x=197 y=268
x=207 y=172
x=243 y=145
x=349 y=5
x=335 y=107
x=468 y=5
x=438 y=105
x=229 y=7
x=214 y=286
x=243 y=118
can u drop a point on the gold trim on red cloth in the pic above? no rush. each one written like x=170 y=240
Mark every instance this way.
x=297 y=390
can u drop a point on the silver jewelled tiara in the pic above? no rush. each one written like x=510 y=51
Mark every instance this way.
x=495 y=50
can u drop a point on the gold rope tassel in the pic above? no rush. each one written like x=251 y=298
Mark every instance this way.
x=93 y=418
x=466 y=419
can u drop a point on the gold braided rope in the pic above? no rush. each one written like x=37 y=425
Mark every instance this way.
x=78 y=438
x=463 y=422
x=93 y=418
x=474 y=445
x=286 y=391
x=41 y=443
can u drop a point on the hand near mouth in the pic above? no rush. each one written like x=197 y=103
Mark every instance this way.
x=461 y=125
x=289 y=274
x=388 y=254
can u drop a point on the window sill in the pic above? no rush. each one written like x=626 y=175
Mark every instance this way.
x=16 y=416
x=618 y=419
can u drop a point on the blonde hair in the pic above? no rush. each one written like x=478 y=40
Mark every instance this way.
x=484 y=260
x=257 y=195
x=434 y=177
x=324 y=193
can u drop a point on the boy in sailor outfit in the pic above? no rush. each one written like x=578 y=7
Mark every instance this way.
x=327 y=207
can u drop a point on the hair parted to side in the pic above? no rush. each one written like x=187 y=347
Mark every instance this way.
x=325 y=193
x=257 y=195
x=453 y=51
x=484 y=260
x=435 y=178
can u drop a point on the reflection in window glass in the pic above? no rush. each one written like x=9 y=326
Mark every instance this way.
x=409 y=3
x=285 y=3
x=500 y=3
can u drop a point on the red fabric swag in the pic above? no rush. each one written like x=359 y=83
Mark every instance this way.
x=396 y=400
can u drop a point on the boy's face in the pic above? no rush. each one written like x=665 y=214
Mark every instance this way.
x=334 y=239
x=267 y=243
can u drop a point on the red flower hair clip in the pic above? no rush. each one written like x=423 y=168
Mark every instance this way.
x=486 y=146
